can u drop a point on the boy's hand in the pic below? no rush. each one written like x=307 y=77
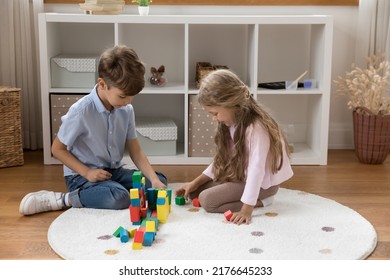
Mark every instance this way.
x=97 y=175
x=243 y=216
x=157 y=184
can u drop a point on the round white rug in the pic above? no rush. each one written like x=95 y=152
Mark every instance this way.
x=298 y=225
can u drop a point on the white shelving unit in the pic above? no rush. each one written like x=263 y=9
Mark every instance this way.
x=257 y=48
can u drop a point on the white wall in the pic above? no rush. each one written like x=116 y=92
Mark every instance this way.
x=345 y=22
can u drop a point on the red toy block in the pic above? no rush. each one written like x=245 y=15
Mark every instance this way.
x=134 y=213
x=138 y=237
x=143 y=212
x=228 y=215
x=195 y=202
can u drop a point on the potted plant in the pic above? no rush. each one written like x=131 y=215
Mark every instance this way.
x=368 y=93
x=143 y=6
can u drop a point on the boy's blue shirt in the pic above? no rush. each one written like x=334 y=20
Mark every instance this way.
x=94 y=135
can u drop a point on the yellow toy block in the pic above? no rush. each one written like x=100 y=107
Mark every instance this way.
x=150 y=226
x=137 y=246
x=162 y=193
x=162 y=209
x=143 y=181
x=132 y=232
x=134 y=193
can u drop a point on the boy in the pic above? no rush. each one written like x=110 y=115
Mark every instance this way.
x=92 y=139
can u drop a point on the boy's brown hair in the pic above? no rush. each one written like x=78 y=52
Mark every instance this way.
x=121 y=67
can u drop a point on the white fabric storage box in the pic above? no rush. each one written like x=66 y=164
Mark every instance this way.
x=74 y=71
x=59 y=106
x=201 y=130
x=157 y=136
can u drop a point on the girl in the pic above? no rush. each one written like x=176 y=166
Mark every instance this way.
x=251 y=157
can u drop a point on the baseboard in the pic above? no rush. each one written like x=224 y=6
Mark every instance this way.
x=340 y=136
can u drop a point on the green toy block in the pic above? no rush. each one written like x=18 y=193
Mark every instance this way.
x=180 y=200
x=118 y=231
x=137 y=176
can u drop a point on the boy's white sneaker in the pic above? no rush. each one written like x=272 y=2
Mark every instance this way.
x=42 y=201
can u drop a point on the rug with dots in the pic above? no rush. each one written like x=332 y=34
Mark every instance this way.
x=298 y=225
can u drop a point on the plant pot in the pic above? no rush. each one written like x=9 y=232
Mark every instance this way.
x=143 y=10
x=371 y=136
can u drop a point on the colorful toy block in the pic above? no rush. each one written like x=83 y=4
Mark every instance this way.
x=139 y=236
x=136 y=246
x=228 y=215
x=148 y=239
x=137 y=176
x=132 y=232
x=180 y=200
x=162 y=206
x=118 y=231
x=195 y=202
x=147 y=209
x=124 y=236
x=135 y=214
x=134 y=193
x=151 y=195
x=150 y=226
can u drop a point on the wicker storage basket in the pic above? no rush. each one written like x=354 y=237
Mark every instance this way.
x=11 y=150
x=203 y=69
x=371 y=136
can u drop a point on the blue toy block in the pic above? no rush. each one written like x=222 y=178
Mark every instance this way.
x=137 y=185
x=135 y=202
x=148 y=239
x=124 y=235
x=160 y=201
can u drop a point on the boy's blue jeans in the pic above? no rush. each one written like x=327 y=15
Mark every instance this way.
x=110 y=194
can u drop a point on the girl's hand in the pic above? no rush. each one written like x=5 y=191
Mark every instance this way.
x=243 y=216
x=185 y=190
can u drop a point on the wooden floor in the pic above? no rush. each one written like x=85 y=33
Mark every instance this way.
x=364 y=188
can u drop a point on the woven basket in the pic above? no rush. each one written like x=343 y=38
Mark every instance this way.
x=11 y=150
x=371 y=136
x=203 y=69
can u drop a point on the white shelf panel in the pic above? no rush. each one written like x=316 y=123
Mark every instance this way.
x=256 y=47
x=304 y=155
x=70 y=90
x=288 y=92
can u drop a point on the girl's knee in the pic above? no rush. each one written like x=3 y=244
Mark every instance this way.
x=206 y=202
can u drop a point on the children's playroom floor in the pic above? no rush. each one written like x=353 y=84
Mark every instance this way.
x=364 y=188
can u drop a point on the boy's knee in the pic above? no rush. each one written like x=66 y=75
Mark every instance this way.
x=121 y=200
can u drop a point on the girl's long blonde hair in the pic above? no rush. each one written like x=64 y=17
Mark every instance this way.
x=225 y=89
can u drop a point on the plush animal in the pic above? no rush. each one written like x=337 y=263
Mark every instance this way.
x=157 y=77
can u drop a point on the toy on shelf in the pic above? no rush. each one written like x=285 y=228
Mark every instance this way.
x=157 y=78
